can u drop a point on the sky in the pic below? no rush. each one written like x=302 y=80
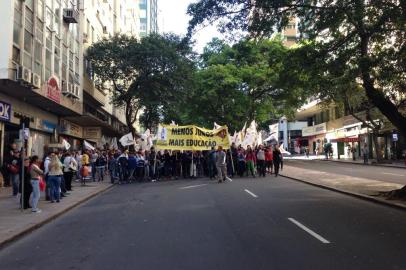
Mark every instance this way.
x=173 y=18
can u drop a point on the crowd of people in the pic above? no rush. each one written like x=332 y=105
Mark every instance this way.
x=59 y=168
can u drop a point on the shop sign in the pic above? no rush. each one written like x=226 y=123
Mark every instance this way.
x=5 y=111
x=395 y=137
x=314 y=130
x=46 y=126
x=92 y=132
x=70 y=129
x=53 y=90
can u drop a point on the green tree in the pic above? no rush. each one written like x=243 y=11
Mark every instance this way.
x=240 y=83
x=152 y=72
x=366 y=38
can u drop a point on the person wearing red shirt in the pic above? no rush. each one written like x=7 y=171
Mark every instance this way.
x=269 y=159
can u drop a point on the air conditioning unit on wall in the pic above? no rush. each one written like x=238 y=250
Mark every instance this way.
x=36 y=81
x=76 y=90
x=24 y=75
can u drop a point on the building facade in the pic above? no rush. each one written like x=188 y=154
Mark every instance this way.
x=346 y=134
x=148 y=17
x=44 y=75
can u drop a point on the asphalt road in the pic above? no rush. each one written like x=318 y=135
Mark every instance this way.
x=387 y=174
x=243 y=224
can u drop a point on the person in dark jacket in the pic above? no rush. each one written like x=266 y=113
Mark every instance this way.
x=26 y=180
x=277 y=158
x=132 y=167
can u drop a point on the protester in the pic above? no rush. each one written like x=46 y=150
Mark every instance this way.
x=221 y=164
x=261 y=161
x=100 y=166
x=212 y=163
x=35 y=173
x=241 y=162
x=269 y=160
x=250 y=159
x=277 y=157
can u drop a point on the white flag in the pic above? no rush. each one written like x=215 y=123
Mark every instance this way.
x=113 y=144
x=216 y=126
x=259 y=138
x=88 y=145
x=127 y=139
x=66 y=144
x=173 y=123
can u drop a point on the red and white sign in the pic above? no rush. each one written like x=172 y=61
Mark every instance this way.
x=53 y=91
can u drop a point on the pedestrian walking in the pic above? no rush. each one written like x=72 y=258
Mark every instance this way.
x=365 y=153
x=221 y=165
x=35 y=173
x=277 y=157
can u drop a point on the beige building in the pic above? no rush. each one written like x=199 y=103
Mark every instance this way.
x=44 y=75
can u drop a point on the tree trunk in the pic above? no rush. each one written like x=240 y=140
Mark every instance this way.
x=378 y=152
x=376 y=96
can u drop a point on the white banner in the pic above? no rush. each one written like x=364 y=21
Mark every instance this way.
x=88 y=145
x=127 y=139
x=66 y=144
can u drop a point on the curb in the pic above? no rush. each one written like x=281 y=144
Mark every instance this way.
x=361 y=164
x=353 y=194
x=42 y=223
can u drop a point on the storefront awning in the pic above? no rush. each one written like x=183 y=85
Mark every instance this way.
x=347 y=139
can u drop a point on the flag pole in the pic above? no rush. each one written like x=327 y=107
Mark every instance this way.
x=232 y=161
x=155 y=162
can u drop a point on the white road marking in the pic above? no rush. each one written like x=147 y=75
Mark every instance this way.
x=250 y=193
x=194 y=186
x=309 y=231
x=395 y=174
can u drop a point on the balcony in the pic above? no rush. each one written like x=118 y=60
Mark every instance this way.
x=92 y=92
x=70 y=15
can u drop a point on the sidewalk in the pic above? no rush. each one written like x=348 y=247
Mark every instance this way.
x=14 y=223
x=391 y=163
x=359 y=187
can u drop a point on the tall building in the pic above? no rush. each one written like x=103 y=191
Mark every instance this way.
x=44 y=76
x=148 y=17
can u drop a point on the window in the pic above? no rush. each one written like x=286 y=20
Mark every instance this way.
x=48 y=63
x=49 y=18
x=17 y=22
x=57 y=10
x=57 y=56
x=40 y=9
x=143 y=27
x=29 y=4
x=16 y=55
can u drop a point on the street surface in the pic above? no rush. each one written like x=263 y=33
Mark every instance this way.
x=386 y=174
x=271 y=223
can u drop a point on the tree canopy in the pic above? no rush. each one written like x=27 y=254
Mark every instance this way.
x=153 y=72
x=240 y=83
x=364 y=41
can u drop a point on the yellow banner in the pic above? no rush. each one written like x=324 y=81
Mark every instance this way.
x=191 y=138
